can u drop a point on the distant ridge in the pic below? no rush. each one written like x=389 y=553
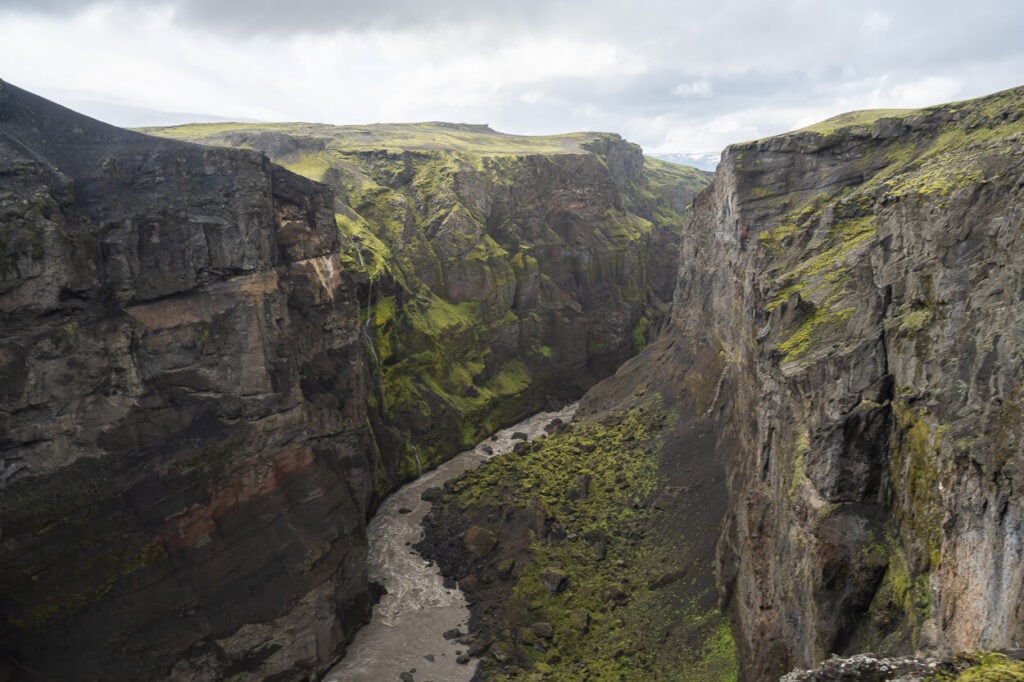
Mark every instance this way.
x=706 y=161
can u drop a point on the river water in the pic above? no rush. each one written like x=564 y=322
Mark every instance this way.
x=405 y=634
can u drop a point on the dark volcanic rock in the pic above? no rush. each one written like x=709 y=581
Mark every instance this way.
x=554 y=580
x=184 y=473
x=431 y=494
x=846 y=318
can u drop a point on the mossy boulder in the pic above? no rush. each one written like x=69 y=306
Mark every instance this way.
x=480 y=541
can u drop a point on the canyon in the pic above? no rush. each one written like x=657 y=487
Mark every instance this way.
x=799 y=433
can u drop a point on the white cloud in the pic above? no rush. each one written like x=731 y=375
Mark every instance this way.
x=920 y=93
x=697 y=88
x=876 y=22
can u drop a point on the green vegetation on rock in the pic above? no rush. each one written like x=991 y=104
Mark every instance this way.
x=584 y=551
x=982 y=667
x=491 y=267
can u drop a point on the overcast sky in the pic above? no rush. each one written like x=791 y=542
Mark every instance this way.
x=674 y=76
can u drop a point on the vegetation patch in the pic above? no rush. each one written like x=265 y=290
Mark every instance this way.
x=585 y=582
x=982 y=667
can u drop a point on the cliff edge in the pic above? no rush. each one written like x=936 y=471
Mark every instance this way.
x=185 y=473
x=860 y=282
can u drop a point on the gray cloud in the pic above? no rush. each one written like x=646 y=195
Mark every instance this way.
x=728 y=32
x=667 y=70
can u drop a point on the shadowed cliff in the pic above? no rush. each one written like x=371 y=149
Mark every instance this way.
x=858 y=280
x=185 y=460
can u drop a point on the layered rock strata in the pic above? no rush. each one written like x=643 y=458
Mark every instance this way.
x=185 y=469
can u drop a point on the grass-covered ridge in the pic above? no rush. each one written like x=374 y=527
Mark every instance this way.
x=429 y=136
x=854 y=119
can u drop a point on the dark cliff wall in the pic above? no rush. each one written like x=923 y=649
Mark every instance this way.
x=502 y=273
x=859 y=282
x=185 y=471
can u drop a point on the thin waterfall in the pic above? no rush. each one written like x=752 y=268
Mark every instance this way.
x=419 y=464
x=368 y=339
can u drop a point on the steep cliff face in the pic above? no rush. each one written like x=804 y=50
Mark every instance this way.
x=185 y=472
x=860 y=283
x=502 y=273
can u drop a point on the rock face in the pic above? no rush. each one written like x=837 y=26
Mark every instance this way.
x=502 y=273
x=185 y=468
x=848 y=313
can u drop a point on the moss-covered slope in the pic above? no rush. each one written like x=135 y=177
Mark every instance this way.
x=501 y=272
x=597 y=572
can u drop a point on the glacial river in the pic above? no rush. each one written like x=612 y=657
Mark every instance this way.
x=405 y=634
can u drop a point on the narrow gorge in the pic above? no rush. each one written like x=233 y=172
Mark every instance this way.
x=224 y=345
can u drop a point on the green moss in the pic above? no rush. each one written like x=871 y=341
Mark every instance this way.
x=915 y=321
x=362 y=249
x=993 y=667
x=821 y=273
x=914 y=468
x=640 y=333
x=778 y=236
x=312 y=166
x=438 y=315
x=902 y=602
x=512 y=378
x=71 y=332
x=634 y=631
x=716 y=662
x=822 y=325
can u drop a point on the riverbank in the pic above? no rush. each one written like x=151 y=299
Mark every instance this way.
x=574 y=561
x=405 y=639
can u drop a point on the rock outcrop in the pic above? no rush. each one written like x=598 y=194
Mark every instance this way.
x=186 y=469
x=503 y=273
x=859 y=284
